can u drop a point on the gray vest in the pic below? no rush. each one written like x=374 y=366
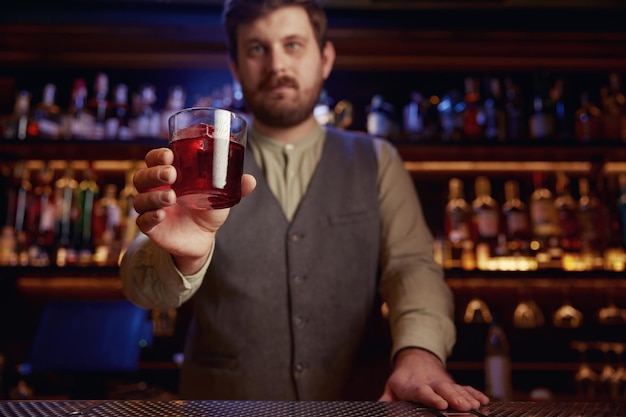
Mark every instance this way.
x=284 y=307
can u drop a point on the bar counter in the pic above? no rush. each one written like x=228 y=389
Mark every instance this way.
x=175 y=408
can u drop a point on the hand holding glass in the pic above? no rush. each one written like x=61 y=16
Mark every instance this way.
x=209 y=147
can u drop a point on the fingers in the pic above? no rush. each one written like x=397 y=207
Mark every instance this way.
x=248 y=184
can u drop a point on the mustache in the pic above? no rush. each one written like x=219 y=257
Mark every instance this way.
x=275 y=82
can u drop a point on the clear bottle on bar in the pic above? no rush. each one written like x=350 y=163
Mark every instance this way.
x=516 y=220
x=498 y=373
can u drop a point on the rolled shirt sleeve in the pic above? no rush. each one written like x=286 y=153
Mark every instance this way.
x=150 y=278
x=421 y=307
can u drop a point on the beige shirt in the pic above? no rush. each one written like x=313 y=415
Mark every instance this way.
x=420 y=302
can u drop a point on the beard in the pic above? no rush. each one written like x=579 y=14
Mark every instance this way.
x=277 y=110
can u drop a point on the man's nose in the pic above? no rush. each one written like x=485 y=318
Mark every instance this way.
x=278 y=60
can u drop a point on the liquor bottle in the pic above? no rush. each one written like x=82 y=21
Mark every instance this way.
x=451 y=108
x=563 y=117
x=43 y=218
x=515 y=116
x=117 y=124
x=323 y=109
x=86 y=194
x=587 y=121
x=613 y=107
x=486 y=217
x=65 y=199
x=458 y=217
x=592 y=220
x=20 y=123
x=23 y=196
x=544 y=220
x=47 y=114
x=412 y=116
x=473 y=115
x=108 y=215
x=621 y=204
x=516 y=220
x=99 y=106
x=146 y=122
x=495 y=113
x=379 y=117
x=567 y=214
x=76 y=122
x=129 y=215
x=175 y=102
x=541 y=121
x=498 y=375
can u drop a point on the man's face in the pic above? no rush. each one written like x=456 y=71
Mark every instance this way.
x=280 y=67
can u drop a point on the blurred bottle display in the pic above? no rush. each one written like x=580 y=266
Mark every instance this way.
x=43 y=214
x=451 y=107
x=145 y=122
x=175 y=101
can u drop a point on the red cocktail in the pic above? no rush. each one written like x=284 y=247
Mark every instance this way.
x=209 y=165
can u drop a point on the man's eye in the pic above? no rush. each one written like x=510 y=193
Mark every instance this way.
x=257 y=50
x=293 y=46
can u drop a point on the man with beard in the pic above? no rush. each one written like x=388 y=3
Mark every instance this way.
x=286 y=284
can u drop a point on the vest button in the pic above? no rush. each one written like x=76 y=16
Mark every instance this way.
x=299 y=321
x=295 y=237
x=298 y=279
x=299 y=367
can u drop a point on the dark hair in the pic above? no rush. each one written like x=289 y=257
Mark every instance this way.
x=237 y=12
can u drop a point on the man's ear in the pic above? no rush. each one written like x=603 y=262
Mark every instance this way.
x=328 y=58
